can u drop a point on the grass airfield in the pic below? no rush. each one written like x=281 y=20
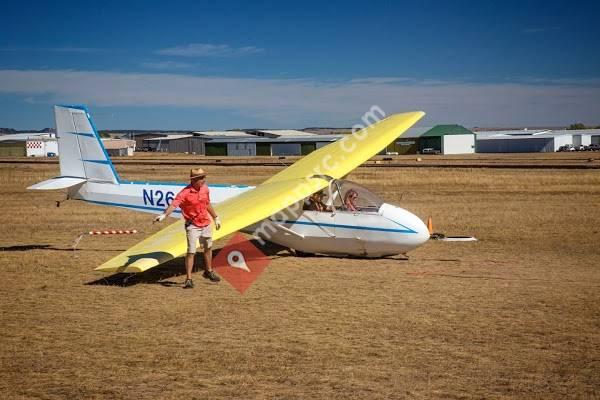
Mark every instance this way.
x=515 y=315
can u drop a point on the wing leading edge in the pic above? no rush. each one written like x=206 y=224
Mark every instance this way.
x=277 y=193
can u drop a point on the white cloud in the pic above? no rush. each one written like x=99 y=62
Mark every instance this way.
x=208 y=50
x=166 y=65
x=383 y=79
x=289 y=101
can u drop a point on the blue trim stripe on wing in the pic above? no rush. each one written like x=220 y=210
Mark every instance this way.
x=105 y=162
x=81 y=134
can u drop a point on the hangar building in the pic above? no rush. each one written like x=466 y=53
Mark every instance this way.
x=240 y=143
x=535 y=141
x=119 y=147
x=448 y=139
x=28 y=145
x=445 y=139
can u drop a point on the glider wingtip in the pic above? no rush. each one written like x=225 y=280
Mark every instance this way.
x=417 y=114
x=409 y=115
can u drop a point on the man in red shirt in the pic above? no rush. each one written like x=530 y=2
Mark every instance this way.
x=194 y=201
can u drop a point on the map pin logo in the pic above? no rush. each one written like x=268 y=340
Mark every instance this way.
x=236 y=259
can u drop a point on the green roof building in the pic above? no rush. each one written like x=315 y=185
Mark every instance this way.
x=447 y=139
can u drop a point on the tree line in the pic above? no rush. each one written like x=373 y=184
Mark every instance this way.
x=579 y=126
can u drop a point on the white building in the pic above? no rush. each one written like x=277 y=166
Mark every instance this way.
x=447 y=139
x=119 y=147
x=41 y=147
x=524 y=141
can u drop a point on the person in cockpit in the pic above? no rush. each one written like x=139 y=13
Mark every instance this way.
x=315 y=202
x=350 y=200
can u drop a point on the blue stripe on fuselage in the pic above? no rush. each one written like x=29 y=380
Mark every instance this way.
x=124 y=205
x=365 y=228
x=211 y=185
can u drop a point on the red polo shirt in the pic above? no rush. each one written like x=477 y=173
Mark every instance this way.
x=194 y=204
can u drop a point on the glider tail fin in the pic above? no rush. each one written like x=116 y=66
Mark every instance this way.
x=81 y=152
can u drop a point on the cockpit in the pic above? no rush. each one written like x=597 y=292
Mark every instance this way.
x=344 y=196
x=347 y=218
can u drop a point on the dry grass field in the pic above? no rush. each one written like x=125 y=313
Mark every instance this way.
x=515 y=315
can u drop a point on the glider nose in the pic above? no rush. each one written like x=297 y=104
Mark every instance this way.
x=417 y=232
x=422 y=231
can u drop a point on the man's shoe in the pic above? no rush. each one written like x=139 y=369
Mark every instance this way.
x=211 y=276
x=189 y=284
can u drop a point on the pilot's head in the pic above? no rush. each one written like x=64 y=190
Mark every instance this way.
x=318 y=195
x=352 y=194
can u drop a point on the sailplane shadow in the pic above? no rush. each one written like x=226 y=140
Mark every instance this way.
x=163 y=274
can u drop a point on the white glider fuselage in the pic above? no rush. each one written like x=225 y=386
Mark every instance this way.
x=371 y=232
x=388 y=231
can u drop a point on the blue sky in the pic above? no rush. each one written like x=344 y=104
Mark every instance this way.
x=195 y=65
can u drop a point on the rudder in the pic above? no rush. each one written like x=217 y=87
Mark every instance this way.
x=81 y=152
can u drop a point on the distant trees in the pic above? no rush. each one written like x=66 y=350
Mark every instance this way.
x=579 y=126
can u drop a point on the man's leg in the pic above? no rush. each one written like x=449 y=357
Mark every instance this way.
x=189 y=264
x=192 y=237
x=208 y=258
x=208 y=271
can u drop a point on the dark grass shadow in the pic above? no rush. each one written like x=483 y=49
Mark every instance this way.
x=161 y=275
x=270 y=249
x=171 y=272
x=164 y=273
x=28 y=247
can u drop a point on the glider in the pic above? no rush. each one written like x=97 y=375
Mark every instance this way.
x=273 y=210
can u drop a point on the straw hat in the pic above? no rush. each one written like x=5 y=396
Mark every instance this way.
x=197 y=173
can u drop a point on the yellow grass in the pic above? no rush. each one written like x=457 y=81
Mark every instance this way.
x=514 y=315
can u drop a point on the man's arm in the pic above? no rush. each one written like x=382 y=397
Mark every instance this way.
x=172 y=207
x=165 y=213
x=213 y=214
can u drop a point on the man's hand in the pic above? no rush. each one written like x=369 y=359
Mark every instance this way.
x=160 y=218
x=217 y=223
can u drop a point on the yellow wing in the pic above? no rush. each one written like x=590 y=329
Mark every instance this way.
x=235 y=214
x=342 y=157
x=294 y=183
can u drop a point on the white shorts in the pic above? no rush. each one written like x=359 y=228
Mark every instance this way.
x=197 y=234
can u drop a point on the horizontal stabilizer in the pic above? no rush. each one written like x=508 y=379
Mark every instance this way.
x=57 y=183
